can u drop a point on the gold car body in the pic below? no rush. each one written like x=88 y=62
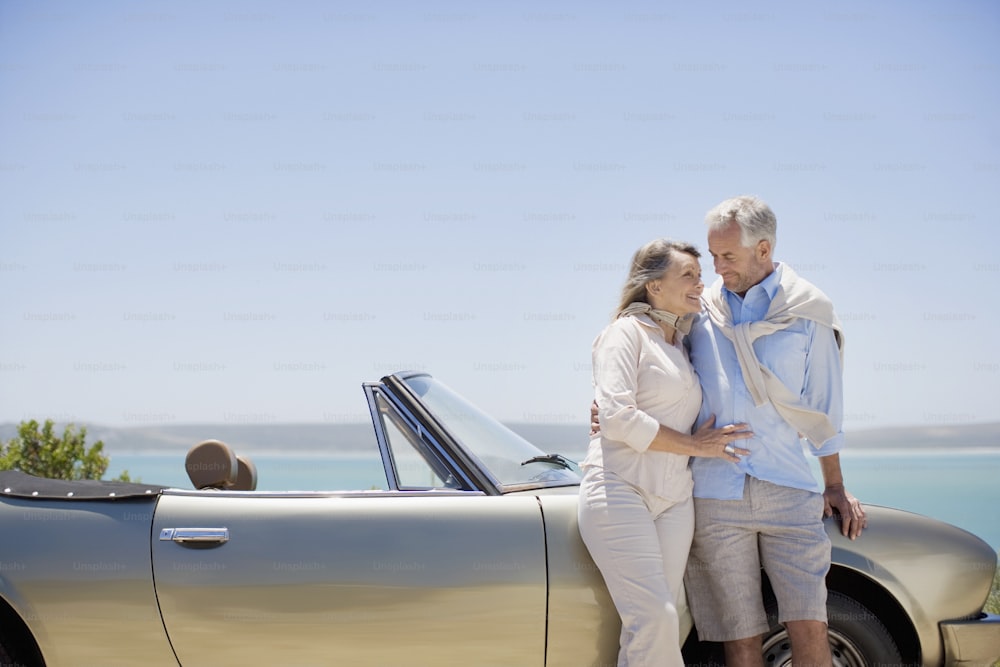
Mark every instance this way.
x=444 y=575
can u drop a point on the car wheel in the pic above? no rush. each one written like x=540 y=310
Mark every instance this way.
x=11 y=654
x=857 y=637
x=5 y=658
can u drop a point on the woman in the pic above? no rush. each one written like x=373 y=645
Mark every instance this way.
x=636 y=514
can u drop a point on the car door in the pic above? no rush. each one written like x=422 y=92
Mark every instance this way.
x=370 y=578
x=431 y=572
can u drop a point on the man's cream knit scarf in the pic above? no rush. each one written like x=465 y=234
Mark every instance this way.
x=795 y=298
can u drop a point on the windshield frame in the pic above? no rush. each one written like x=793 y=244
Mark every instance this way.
x=466 y=453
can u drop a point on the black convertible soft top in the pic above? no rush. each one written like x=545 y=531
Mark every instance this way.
x=22 y=485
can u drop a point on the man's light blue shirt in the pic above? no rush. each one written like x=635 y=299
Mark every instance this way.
x=805 y=357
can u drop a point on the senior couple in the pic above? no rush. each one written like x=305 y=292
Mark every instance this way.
x=696 y=475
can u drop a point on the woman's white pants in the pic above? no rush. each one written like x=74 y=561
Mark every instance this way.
x=640 y=543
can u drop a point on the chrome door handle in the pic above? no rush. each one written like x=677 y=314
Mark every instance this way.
x=196 y=535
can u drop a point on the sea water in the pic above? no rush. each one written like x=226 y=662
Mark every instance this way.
x=961 y=487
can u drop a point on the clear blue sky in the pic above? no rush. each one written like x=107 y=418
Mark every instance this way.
x=239 y=211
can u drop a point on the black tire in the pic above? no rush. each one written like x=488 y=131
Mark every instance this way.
x=5 y=658
x=8 y=658
x=857 y=636
x=857 y=639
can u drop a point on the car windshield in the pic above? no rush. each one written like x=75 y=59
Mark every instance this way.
x=511 y=459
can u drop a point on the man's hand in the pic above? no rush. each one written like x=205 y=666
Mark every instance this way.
x=838 y=502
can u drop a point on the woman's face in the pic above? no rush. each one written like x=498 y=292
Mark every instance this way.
x=679 y=290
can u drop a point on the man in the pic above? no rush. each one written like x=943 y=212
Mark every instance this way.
x=767 y=349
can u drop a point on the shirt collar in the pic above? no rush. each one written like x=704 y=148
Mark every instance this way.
x=647 y=321
x=769 y=284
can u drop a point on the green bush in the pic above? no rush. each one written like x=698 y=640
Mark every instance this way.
x=42 y=453
x=992 y=605
x=993 y=601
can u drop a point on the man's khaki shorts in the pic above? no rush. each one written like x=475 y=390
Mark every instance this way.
x=775 y=527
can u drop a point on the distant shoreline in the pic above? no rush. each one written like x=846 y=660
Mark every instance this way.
x=371 y=451
x=359 y=438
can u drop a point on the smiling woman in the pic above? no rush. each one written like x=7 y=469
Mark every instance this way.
x=636 y=514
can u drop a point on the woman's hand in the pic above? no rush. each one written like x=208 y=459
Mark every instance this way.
x=719 y=442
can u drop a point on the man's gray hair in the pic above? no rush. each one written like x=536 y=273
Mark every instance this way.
x=755 y=218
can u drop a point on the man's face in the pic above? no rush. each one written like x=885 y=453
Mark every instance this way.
x=740 y=267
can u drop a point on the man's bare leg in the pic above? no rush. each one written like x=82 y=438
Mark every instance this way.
x=744 y=652
x=810 y=643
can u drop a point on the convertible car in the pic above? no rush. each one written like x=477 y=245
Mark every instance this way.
x=471 y=557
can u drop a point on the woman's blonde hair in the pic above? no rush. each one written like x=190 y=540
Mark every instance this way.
x=649 y=263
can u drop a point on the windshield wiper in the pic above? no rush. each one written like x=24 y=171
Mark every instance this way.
x=557 y=459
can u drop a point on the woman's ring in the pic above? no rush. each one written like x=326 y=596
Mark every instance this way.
x=730 y=449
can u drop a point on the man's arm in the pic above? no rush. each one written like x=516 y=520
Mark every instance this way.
x=836 y=498
x=701 y=443
x=824 y=390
